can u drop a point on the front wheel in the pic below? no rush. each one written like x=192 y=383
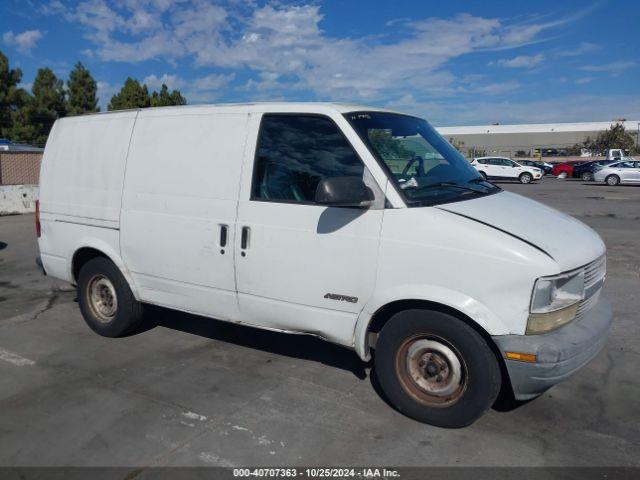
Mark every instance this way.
x=587 y=176
x=612 y=180
x=483 y=175
x=525 y=178
x=436 y=369
x=106 y=301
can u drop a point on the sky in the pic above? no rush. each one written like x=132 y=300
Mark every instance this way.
x=453 y=63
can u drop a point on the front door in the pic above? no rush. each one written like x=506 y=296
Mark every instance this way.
x=635 y=172
x=302 y=266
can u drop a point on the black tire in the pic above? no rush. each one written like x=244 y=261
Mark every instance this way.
x=525 y=178
x=483 y=175
x=480 y=378
x=101 y=275
x=612 y=180
x=587 y=176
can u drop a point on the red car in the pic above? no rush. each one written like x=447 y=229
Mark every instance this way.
x=567 y=167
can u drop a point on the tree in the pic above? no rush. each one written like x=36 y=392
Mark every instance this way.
x=81 y=91
x=11 y=97
x=164 y=98
x=132 y=95
x=457 y=144
x=33 y=120
x=614 y=137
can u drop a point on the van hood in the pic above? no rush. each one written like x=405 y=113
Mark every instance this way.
x=568 y=241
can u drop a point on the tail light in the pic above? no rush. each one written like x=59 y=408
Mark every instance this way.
x=38 y=227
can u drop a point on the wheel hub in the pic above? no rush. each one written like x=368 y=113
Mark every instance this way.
x=433 y=367
x=102 y=298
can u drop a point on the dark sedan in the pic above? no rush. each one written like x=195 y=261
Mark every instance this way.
x=586 y=170
x=546 y=169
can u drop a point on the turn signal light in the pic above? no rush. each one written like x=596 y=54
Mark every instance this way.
x=523 y=357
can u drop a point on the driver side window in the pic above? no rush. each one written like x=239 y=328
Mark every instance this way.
x=295 y=152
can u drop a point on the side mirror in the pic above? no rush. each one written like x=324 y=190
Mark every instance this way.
x=344 y=192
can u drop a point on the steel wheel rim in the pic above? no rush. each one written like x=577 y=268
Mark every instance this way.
x=102 y=298
x=431 y=371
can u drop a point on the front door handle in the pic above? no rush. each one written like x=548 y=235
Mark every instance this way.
x=244 y=238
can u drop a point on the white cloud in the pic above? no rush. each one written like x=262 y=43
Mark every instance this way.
x=574 y=108
x=171 y=81
x=583 y=80
x=27 y=86
x=207 y=82
x=23 y=42
x=284 y=47
x=583 y=49
x=105 y=92
x=615 y=68
x=522 y=61
x=198 y=90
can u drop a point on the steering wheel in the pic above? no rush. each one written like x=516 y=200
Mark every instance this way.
x=419 y=167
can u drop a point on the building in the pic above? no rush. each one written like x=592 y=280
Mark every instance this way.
x=512 y=140
x=19 y=164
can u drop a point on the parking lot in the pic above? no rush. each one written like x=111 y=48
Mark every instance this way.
x=193 y=391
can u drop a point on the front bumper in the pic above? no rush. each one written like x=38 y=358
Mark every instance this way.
x=559 y=354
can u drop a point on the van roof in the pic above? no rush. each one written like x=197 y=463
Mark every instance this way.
x=260 y=107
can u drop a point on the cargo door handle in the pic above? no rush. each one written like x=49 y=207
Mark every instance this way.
x=244 y=239
x=224 y=229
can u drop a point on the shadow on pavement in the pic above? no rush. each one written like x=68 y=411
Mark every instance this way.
x=296 y=346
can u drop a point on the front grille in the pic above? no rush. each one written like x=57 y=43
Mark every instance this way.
x=587 y=304
x=594 y=272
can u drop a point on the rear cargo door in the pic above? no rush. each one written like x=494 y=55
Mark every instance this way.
x=179 y=209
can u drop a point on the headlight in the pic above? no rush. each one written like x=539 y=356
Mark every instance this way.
x=555 y=301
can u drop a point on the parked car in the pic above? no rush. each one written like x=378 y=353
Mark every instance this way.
x=626 y=171
x=310 y=218
x=586 y=170
x=502 y=168
x=565 y=167
x=546 y=168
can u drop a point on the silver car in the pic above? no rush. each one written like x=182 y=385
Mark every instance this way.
x=624 y=171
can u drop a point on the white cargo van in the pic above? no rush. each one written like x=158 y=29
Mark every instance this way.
x=358 y=225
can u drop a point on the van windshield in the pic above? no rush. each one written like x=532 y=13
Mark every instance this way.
x=425 y=168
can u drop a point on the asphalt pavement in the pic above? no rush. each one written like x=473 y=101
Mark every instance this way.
x=187 y=390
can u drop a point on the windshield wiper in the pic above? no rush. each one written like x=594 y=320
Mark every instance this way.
x=477 y=180
x=446 y=184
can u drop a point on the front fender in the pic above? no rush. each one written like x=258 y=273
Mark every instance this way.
x=472 y=308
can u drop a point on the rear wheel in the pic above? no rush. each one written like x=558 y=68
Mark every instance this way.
x=436 y=369
x=587 y=176
x=612 y=180
x=106 y=301
x=525 y=177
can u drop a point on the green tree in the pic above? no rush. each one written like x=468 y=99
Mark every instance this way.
x=11 y=97
x=457 y=144
x=132 y=95
x=614 y=137
x=81 y=91
x=32 y=122
x=164 y=98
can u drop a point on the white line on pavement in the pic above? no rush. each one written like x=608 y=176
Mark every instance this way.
x=14 y=358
